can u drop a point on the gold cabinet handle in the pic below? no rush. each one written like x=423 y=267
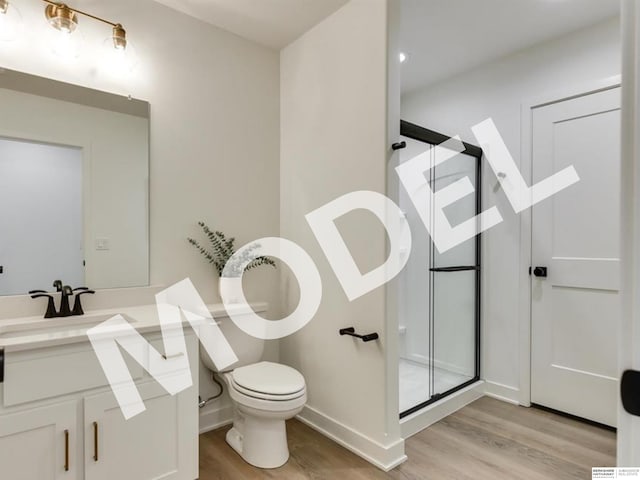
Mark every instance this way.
x=95 y=441
x=66 y=450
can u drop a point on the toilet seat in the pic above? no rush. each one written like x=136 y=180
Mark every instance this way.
x=268 y=381
x=267 y=396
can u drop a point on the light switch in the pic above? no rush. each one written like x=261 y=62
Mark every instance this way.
x=102 y=244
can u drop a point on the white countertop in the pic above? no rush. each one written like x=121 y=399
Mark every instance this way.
x=18 y=334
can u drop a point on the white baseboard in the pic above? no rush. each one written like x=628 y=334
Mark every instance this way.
x=215 y=417
x=426 y=417
x=502 y=392
x=385 y=457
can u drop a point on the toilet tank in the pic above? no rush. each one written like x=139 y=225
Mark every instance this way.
x=248 y=349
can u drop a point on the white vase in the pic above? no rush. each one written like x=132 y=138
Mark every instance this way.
x=227 y=293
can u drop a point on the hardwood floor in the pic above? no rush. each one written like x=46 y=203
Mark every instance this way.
x=486 y=440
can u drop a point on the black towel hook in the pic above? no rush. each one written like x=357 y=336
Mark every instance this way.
x=365 y=338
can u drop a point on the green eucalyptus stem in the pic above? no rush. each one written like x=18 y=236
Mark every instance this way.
x=221 y=249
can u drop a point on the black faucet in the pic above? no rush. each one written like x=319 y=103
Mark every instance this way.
x=77 y=306
x=65 y=291
x=51 y=306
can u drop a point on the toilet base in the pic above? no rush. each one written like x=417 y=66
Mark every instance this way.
x=261 y=442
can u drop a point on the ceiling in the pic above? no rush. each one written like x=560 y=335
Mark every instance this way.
x=274 y=23
x=442 y=38
x=445 y=37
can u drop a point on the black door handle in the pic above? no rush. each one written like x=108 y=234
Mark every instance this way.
x=540 y=271
x=630 y=391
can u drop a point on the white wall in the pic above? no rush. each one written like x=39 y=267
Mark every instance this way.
x=498 y=90
x=214 y=130
x=334 y=141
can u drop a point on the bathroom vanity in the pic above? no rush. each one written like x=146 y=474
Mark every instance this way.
x=60 y=420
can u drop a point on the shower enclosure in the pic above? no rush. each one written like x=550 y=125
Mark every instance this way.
x=439 y=293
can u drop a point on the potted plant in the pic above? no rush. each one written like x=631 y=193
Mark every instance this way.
x=220 y=250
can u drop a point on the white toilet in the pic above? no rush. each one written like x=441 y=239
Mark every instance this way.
x=264 y=395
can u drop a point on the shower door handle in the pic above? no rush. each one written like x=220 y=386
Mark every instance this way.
x=464 y=268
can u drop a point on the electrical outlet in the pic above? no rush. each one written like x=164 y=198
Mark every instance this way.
x=102 y=244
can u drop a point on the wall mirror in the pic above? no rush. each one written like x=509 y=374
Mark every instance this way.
x=74 y=175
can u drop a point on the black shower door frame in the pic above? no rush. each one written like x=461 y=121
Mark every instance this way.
x=431 y=137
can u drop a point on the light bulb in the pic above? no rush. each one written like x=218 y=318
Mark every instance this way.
x=65 y=45
x=119 y=56
x=10 y=21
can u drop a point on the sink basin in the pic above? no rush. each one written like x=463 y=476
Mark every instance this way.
x=55 y=327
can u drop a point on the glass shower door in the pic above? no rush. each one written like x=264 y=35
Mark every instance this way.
x=439 y=292
x=413 y=301
x=454 y=294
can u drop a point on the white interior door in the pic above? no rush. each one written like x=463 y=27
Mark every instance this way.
x=576 y=234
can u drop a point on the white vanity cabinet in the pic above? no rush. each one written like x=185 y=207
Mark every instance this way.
x=156 y=444
x=59 y=419
x=40 y=443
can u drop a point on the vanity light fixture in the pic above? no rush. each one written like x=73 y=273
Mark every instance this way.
x=4 y=6
x=61 y=17
x=65 y=18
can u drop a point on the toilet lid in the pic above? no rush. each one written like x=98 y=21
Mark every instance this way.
x=269 y=378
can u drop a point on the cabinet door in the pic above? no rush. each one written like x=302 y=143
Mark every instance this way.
x=40 y=443
x=160 y=443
